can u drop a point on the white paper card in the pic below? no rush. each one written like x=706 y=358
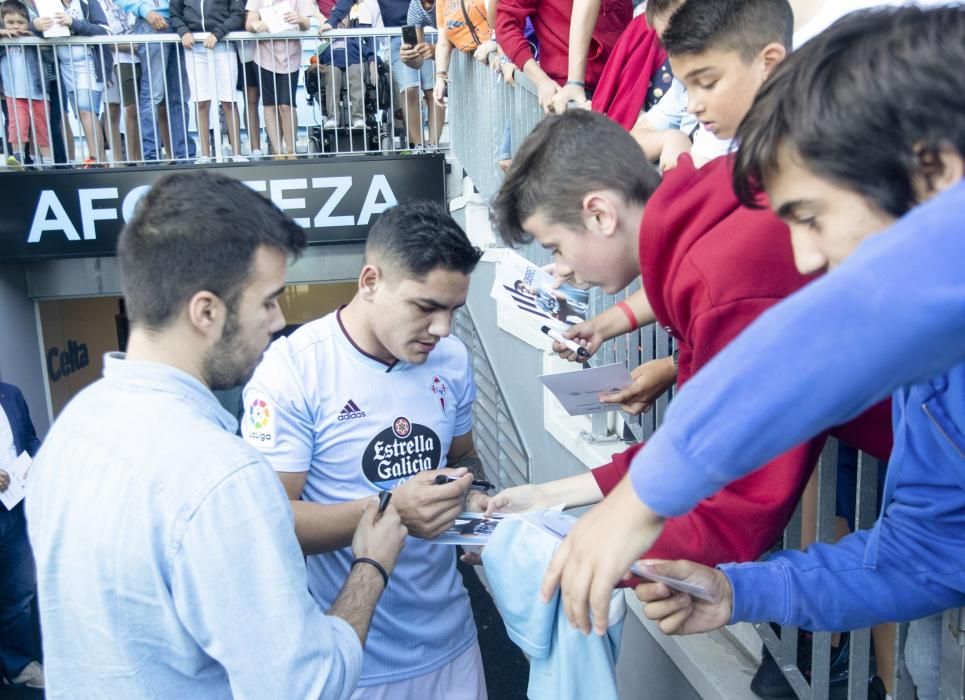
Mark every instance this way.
x=48 y=8
x=644 y=571
x=18 y=481
x=579 y=391
x=533 y=293
x=470 y=529
x=274 y=17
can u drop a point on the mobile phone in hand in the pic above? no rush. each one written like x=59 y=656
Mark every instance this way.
x=409 y=35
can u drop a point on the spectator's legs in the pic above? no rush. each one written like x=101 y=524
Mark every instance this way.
x=176 y=79
x=204 y=109
x=288 y=129
x=883 y=638
x=274 y=131
x=333 y=89
x=133 y=128
x=356 y=86
x=164 y=129
x=412 y=112
x=233 y=122
x=252 y=119
x=19 y=638
x=71 y=149
x=13 y=117
x=56 y=122
x=113 y=114
x=150 y=92
x=87 y=103
x=437 y=118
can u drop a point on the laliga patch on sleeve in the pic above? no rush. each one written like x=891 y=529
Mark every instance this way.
x=260 y=421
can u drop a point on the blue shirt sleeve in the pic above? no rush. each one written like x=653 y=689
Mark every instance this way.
x=137 y=7
x=240 y=588
x=339 y=12
x=891 y=315
x=830 y=588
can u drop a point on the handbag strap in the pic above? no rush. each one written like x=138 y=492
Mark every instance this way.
x=469 y=26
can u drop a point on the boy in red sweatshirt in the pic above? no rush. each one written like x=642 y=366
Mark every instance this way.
x=709 y=268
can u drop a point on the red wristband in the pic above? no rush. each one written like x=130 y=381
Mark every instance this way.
x=632 y=317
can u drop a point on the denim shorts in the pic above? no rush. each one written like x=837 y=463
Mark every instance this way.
x=406 y=77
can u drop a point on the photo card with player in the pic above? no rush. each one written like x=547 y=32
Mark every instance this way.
x=535 y=293
x=470 y=528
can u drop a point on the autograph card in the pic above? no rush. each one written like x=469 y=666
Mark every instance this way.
x=534 y=292
x=579 y=391
x=470 y=528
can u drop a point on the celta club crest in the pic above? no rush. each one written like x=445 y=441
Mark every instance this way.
x=401 y=427
x=439 y=389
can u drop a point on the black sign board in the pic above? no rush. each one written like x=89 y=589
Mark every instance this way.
x=80 y=213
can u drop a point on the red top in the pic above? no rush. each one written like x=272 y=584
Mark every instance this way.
x=551 y=22
x=710 y=267
x=623 y=86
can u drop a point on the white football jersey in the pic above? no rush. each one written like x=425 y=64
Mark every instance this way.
x=318 y=403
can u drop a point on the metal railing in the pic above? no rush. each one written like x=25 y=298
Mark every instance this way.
x=494 y=430
x=144 y=98
x=483 y=110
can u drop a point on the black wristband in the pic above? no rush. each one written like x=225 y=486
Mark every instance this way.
x=379 y=568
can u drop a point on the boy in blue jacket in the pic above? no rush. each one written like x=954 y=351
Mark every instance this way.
x=883 y=148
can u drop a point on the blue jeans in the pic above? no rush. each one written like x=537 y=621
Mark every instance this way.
x=163 y=78
x=19 y=635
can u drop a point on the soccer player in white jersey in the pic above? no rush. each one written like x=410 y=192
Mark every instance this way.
x=372 y=397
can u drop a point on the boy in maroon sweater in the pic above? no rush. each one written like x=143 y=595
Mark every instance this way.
x=709 y=268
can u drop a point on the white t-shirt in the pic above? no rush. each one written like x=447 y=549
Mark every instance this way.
x=670 y=112
x=318 y=403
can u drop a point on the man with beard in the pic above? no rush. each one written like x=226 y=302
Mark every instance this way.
x=166 y=560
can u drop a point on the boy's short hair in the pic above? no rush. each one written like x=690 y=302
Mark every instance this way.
x=196 y=231
x=14 y=7
x=866 y=104
x=656 y=8
x=565 y=157
x=745 y=26
x=414 y=238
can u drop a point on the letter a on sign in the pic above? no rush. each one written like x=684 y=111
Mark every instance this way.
x=378 y=186
x=48 y=202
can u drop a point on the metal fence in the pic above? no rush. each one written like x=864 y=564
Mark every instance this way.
x=146 y=98
x=495 y=434
x=484 y=112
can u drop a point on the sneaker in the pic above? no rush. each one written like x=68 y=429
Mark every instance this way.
x=14 y=164
x=203 y=160
x=330 y=123
x=256 y=154
x=89 y=163
x=358 y=124
x=769 y=681
x=238 y=159
x=32 y=676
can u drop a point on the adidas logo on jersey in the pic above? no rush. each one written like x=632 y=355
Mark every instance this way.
x=350 y=411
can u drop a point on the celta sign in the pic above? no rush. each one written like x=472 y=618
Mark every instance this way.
x=60 y=363
x=59 y=214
